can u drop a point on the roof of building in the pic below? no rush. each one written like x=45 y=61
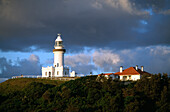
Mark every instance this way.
x=131 y=71
x=105 y=74
x=59 y=38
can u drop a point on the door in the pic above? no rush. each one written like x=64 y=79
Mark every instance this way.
x=49 y=74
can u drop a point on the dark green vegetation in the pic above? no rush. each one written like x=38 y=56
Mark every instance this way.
x=86 y=95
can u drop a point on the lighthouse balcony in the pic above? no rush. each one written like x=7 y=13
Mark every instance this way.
x=63 y=50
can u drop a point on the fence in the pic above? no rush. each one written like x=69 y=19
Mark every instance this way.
x=51 y=78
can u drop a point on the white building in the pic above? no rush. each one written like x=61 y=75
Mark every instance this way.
x=132 y=73
x=58 y=69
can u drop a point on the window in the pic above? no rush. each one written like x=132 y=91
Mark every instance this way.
x=65 y=73
x=59 y=43
x=129 y=76
x=57 y=64
x=57 y=72
x=45 y=73
x=124 y=78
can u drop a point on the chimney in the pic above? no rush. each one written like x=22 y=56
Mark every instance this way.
x=136 y=67
x=142 y=68
x=121 y=69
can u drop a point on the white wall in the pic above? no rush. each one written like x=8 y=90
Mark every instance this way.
x=59 y=58
x=60 y=71
x=53 y=71
x=73 y=74
x=46 y=71
x=133 y=77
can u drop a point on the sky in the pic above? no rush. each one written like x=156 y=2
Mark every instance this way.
x=99 y=35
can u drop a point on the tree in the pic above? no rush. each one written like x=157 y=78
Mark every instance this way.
x=163 y=105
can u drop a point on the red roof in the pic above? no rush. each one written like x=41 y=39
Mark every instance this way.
x=129 y=71
x=106 y=74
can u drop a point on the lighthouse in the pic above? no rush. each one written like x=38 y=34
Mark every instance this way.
x=58 y=69
x=59 y=52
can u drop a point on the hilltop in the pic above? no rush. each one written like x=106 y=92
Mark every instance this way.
x=14 y=85
x=85 y=95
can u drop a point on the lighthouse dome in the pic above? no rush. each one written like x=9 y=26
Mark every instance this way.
x=59 y=38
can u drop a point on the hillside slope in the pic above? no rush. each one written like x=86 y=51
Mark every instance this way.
x=86 y=95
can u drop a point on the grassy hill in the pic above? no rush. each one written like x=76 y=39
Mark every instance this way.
x=13 y=85
x=85 y=95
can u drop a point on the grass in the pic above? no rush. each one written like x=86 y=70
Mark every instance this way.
x=18 y=84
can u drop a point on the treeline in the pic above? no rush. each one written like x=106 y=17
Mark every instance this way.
x=150 y=94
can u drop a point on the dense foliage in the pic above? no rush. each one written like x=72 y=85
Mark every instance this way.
x=87 y=95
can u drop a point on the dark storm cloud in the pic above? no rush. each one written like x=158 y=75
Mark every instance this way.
x=93 y=23
x=156 y=4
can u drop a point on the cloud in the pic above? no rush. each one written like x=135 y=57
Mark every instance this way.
x=165 y=12
x=155 y=59
x=159 y=50
x=34 y=58
x=89 y=23
x=29 y=66
x=77 y=59
x=97 y=5
x=106 y=59
x=127 y=6
x=81 y=63
x=94 y=60
x=101 y=25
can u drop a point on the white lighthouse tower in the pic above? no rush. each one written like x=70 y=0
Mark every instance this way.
x=59 y=52
x=58 y=69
